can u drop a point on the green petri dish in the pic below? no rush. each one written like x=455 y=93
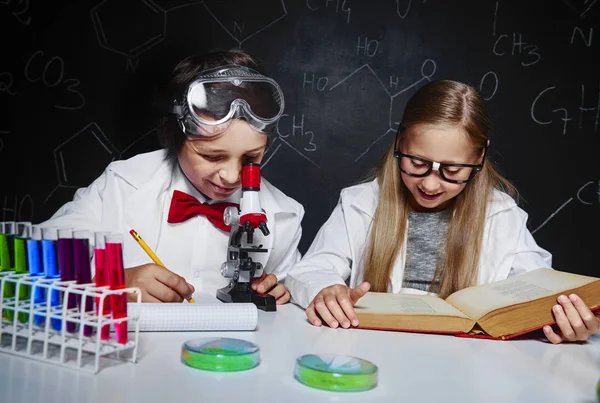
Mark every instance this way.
x=220 y=354
x=340 y=373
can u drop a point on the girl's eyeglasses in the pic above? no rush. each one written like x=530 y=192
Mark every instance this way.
x=453 y=173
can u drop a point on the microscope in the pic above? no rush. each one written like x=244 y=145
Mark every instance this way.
x=239 y=266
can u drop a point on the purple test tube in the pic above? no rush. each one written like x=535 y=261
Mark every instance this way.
x=67 y=269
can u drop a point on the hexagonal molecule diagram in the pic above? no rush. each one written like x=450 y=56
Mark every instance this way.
x=130 y=27
x=355 y=93
x=82 y=158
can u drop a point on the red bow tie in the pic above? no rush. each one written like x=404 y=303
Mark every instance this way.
x=184 y=207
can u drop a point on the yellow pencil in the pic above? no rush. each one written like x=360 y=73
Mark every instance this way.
x=150 y=253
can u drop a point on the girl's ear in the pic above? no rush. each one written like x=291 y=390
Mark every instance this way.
x=483 y=152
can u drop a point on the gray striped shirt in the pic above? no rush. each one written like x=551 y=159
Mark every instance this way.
x=426 y=239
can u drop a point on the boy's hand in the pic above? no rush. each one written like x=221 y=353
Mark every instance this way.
x=157 y=284
x=267 y=283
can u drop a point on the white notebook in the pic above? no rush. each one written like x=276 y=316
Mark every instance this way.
x=159 y=317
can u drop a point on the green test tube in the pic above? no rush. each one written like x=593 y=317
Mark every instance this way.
x=7 y=231
x=22 y=234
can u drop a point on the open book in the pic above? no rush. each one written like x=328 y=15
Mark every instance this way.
x=502 y=309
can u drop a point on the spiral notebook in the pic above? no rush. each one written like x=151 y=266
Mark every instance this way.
x=158 y=317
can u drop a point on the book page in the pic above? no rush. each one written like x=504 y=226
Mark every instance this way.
x=479 y=300
x=159 y=317
x=405 y=304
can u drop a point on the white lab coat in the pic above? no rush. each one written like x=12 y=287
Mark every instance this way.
x=136 y=194
x=337 y=254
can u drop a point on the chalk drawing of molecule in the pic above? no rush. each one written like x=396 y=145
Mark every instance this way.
x=129 y=28
x=232 y=16
x=75 y=167
x=365 y=72
x=581 y=7
x=132 y=27
x=588 y=194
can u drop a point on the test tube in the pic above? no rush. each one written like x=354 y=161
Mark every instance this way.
x=83 y=274
x=51 y=270
x=116 y=279
x=36 y=268
x=67 y=270
x=22 y=234
x=101 y=279
x=7 y=262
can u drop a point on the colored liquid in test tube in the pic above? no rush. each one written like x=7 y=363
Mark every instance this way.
x=116 y=279
x=67 y=271
x=7 y=231
x=101 y=280
x=51 y=271
x=22 y=235
x=83 y=274
x=36 y=268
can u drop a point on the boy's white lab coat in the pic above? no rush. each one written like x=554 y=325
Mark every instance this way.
x=136 y=194
x=336 y=255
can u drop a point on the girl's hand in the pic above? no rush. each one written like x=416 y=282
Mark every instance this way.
x=576 y=322
x=268 y=283
x=335 y=305
x=157 y=284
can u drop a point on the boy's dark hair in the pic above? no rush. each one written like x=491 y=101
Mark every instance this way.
x=171 y=136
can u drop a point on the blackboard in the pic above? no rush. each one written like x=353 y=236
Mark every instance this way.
x=78 y=81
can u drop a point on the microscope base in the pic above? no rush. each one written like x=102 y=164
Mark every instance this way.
x=241 y=292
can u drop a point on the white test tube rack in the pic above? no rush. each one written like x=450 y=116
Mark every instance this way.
x=60 y=347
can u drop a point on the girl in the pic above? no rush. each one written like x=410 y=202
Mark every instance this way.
x=223 y=111
x=438 y=218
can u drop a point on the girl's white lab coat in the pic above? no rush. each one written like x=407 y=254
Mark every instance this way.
x=336 y=256
x=136 y=194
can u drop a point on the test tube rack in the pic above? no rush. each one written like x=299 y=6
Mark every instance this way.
x=42 y=342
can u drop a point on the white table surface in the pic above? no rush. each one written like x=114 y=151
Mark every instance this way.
x=412 y=368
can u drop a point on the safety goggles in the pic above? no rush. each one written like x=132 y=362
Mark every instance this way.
x=219 y=95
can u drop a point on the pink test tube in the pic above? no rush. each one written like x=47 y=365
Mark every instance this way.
x=116 y=279
x=101 y=279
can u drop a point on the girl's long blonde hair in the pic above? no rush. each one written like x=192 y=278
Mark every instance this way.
x=442 y=102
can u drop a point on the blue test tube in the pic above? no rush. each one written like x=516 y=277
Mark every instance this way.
x=36 y=268
x=51 y=271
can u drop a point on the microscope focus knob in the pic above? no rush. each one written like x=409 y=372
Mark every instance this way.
x=231 y=216
x=228 y=269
